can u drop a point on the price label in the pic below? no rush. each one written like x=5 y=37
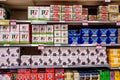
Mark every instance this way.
x=85 y=23
x=98 y=46
x=40 y=46
x=4 y=22
x=65 y=66
x=118 y=23
x=38 y=22
x=107 y=0
x=57 y=44
x=62 y=21
x=12 y=22
x=6 y=44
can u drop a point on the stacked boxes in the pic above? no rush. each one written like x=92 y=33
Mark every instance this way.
x=84 y=13
x=55 y=12
x=102 y=13
x=113 y=12
x=42 y=34
x=77 y=12
x=49 y=74
x=104 y=74
x=92 y=17
x=114 y=57
x=59 y=74
x=60 y=34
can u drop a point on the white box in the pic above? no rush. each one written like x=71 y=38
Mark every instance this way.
x=24 y=37
x=5 y=28
x=57 y=33
x=14 y=51
x=83 y=51
x=102 y=60
x=64 y=40
x=3 y=61
x=55 y=51
x=35 y=29
x=92 y=59
x=24 y=27
x=102 y=51
x=50 y=39
x=33 y=13
x=43 y=38
x=43 y=29
x=64 y=34
x=57 y=40
x=2 y=13
x=35 y=38
x=14 y=37
x=64 y=27
x=73 y=60
x=83 y=60
x=14 y=61
x=47 y=51
x=15 y=28
x=49 y=29
x=35 y=60
x=55 y=60
x=4 y=52
x=64 y=60
x=25 y=60
x=44 y=13
x=74 y=51
x=65 y=51
x=92 y=50
x=57 y=27
x=45 y=60
x=5 y=37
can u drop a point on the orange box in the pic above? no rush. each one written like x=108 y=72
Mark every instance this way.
x=33 y=76
x=59 y=73
x=50 y=76
x=41 y=76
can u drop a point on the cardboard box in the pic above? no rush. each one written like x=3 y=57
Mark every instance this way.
x=2 y=13
x=102 y=17
x=41 y=76
x=102 y=60
x=64 y=40
x=74 y=51
x=15 y=28
x=116 y=74
x=84 y=11
x=50 y=39
x=84 y=17
x=77 y=9
x=57 y=33
x=14 y=61
x=33 y=76
x=64 y=60
x=54 y=60
x=83 y=60
x=5 y=28
x=65 y=51
x=64 y=34
x=55 y=9
x=113 y=8
x=42 y=38
x=25 y=60
x=66 y=9
x=64 y=27
x=14 y=51
x=49 y=29
x=43 y=29
x=76 y=17
x=47 y=51
x=92 y=59
x=24 y=27
x=55 y=51
x=4 y=61
x=4 y=52
x=33 y=13
x=35 y=29
x=35 y=60
x=45 y=60
x=35 y=38
x=103 y=9
x=59 y=73
x=66 y=17
x=118 y=31
x=92 y=17
x=24 y=37
x=50 y=76
x=57 y=40
x=113 y=16
x=14 y=38
x=57 y=27
x=5 y=37
x=55 y=17
x=44 y=13
x=73 y=60
x=118 y=40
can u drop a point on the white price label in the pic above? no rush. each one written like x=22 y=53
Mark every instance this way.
x=6 y=44
x=118 y=23
x=12 y=22
x=38 y=22
x=40 y=46
x=65 y=66
x=107 y=0
x=85 y=23
x=62 y=21
x=57 y=44
x=98 y=46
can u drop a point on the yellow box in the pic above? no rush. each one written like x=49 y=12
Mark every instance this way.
x=114 y=65
x=113 y=8
x=113 y=16
x=116 y=75
x=113 y=52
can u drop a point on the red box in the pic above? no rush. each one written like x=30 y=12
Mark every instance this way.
x=34 y=70
x=59 y=73
x=27 y=77
x=33 y=76
x=41 y=76
x=20 y=77
x=24 y=71
x=50 y=76
x=50 y=70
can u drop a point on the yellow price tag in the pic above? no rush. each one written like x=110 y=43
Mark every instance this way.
x=4 y=22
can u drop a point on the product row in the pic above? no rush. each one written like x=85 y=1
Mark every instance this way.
x=62 y=74
x=73 y=12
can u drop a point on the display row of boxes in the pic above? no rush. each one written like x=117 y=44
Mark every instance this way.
x=19 y=33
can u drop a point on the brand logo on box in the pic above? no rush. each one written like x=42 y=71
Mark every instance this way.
x=45 y=12
x=33 y=12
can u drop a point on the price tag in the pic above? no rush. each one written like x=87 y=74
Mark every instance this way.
x=62 y=21
x=57 y=44
x=107 y=0
x=118 y=23
x=85 y=23
x=6 y=44
x=98 y=46
x=40 y=46
x=38 y=22
x=4 y=22
x=12 y=22
x=65 y=66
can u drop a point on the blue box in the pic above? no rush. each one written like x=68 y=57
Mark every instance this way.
x=73 y=33
x=94 y=40
x=85 y=40
x=95 y=32
x=113 y=31
x=72 y=40
x=104 y=40
x=104 y=32
x=113 y=40
x=85 y=32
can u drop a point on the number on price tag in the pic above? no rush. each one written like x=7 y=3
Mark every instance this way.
x=107 y=0
x=85 y=23
x=98 y=46
x=118 y=23
x=40 y=46
x=12 y=22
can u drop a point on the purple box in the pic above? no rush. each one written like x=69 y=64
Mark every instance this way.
x=111 y=75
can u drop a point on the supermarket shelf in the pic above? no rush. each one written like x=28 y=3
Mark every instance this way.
x=115 y=68
x=23 y=21
x=76 y=66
